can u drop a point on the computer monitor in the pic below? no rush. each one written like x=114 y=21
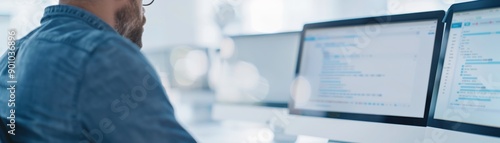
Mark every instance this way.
x=466 y=105
x=268 y=58
x=182 y=67
x=368 y=79
x=183 y=71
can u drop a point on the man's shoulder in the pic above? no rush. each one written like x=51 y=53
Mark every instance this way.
x=75 y=43
x=77 y=35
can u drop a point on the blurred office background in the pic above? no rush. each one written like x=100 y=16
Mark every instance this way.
x=193 y=44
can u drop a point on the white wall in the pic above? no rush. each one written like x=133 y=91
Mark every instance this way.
x=170 y=22
x=410 y=6
x=257 y=14
x=191 y=22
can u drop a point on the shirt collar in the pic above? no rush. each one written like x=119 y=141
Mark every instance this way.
x=55 y=11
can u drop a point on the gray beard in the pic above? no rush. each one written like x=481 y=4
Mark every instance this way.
x=129 y=26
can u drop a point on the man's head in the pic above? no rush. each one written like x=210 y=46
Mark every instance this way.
x=126 y=16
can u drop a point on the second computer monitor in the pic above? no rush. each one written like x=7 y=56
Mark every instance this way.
x=467 y=94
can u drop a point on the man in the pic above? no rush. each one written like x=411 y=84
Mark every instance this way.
x=82 y=79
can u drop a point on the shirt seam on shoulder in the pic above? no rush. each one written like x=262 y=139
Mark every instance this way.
x=65 y=43
x=80 y=83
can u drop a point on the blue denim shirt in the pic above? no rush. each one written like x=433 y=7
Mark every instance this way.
x=80 y=81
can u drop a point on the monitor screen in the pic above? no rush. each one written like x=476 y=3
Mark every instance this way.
x=469 y=88
x=375 y=69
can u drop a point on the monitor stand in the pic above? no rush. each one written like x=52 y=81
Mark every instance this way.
x=309 y=139
x=338 y=130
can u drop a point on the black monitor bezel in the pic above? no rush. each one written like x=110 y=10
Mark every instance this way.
x=452 y=125
x=437 y=15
